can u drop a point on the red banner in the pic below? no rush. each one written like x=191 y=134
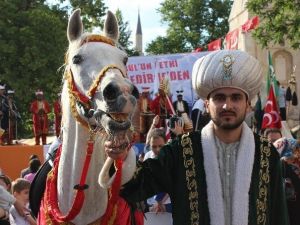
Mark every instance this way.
x=250 y=24
x=232 y=39
x=214 y=45
x=271 y=117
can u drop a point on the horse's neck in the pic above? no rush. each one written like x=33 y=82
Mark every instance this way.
x=75 y=139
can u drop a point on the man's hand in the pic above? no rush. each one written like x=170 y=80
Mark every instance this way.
x=178 y=129
x=158 y=207
x=156 y=120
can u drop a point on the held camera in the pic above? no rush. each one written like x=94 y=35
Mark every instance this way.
x=173 y=119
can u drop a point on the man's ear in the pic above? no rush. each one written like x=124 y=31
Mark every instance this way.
x=248 y=107
x=206 y=105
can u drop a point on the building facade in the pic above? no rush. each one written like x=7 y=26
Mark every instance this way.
x=285 y=59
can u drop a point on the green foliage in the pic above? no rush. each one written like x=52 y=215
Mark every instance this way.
x=279 y=21
x=32 y=45
x=191 y=23
x=92 y=12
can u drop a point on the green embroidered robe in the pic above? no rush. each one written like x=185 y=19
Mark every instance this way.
x=180 y=171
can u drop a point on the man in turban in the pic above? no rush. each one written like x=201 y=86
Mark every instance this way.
x=180 y=106
x=161 y=104
x=40 y=109
x=223 y=174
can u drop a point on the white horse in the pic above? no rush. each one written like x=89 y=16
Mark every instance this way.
x=97 y=103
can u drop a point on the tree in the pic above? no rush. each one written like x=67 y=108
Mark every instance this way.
x=32 y=45
x=92 y=12
x=191 y=23
x=279 y=21
x=124 y=35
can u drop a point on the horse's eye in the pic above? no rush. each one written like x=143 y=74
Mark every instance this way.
x=77 y=59
x=125 y=60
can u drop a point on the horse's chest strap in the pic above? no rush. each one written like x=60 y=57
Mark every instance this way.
x=51 y=189
x=89 y=152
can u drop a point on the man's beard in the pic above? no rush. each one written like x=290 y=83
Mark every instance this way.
x=228 y=126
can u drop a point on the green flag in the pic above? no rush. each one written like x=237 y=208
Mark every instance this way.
x=271 y=77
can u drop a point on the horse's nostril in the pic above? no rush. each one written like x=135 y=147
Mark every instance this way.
x=111 y=91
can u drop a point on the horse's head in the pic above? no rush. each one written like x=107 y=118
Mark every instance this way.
x=102 y=97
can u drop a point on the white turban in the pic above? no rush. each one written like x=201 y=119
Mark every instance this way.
x=227 y=68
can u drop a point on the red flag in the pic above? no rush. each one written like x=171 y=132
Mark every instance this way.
x=214 y=45
x=198 y=49
x=232 y=39
x=271 y=117
x=250 y=24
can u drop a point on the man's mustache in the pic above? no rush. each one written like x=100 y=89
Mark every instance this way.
x=227 y=112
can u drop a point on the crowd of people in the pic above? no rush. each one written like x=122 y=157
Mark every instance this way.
x=14 y=196
x=216 y=175
x=212 y=169
x=39 y=108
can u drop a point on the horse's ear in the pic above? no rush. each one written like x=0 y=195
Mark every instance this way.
x=111 y=28
x=75 y=26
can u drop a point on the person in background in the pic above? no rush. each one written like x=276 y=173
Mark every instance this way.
x=27 y=170
x=199 y=115
x=6 y=202
x=3 y=116
x=14 y=115
x=57 y=114
x=282 y=101
x=161 y=105
x=180 y=106
x=146 y=115
x=34 y=166
x=289 y=150
x=154 y=124
x=272 y=134
x=215 y=176
x=160 y=202
x=40 y=109
x=157 y=139
x=20 y=190
x=5 y=182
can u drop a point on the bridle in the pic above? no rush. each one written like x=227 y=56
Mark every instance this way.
x=77 y=98
x=85 y=101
